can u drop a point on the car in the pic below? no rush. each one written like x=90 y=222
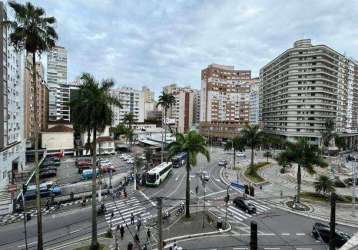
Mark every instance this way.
x=87 y=174
x=48 y=174
x=130 y=161
x=321 y=232
x=244 y=205
x=222 y=163
x=205 y=176
x=241 y=155
x=108 y=168
x=43 y=169
x=81 y=162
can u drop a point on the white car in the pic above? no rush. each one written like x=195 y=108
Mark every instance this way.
x=130 y=161
x=241 y=155
x=205 y=176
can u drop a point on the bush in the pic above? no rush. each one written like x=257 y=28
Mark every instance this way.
x=282 y=170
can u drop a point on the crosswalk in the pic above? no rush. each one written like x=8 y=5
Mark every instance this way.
x=122 y=209
x=235 y=215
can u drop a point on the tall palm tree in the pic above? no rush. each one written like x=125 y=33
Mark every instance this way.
x=91 y=108
x=166 y=101
x=192 y=144
x=34 y=32
x=327 y=134
x=119 y=130
x=235 y=144
x=324 y=184
x=306 y=156
x=253 y=136
x=128 y=119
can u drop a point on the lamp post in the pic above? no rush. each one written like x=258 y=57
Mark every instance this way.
x=25 y=215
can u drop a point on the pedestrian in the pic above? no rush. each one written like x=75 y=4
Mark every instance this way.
x=121 y=230
x=197 y=189
x=145 y=247
x=139 y=224
x=132 y=218
x=112 y=214
x=125 y=194
x=130 y=246
x=136 y=238
x=260 y=187
x=281 y=194
x=148 y=234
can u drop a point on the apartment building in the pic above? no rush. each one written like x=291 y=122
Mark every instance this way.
x=254 y=102
x=149 y=102
x=12 y=146
x=132 y=100
x=225 y=101
x=196 y=114
x=59 y=94
x=304 y=86
x=182 y=113
x=42 y=100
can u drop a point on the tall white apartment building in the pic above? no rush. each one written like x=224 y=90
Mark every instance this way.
x=306 y=85
x=196 y=114
x=182 y=112
x=254 y=103
x=225 y=101
x=132 y=101
x=57 y=81
x=12 y=143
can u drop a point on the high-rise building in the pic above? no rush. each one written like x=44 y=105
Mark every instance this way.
x=225 y=101
x=131 y=101
x=254 y=103
x=306 y=85
x=149 y=102
x=182 y=112
x=12 y=146
x=59 y=94
x=42 y=100
x=196 y=114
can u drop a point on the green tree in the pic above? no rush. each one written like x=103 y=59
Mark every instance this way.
x=128 y=119
x=236 y=144
x=91 y=108
x=252 y=136
x=327 y=134
x=33 y=32
x=119 y=130
x=166 y=101
x=324 y=184
x=306 y=156
x=192 y=144
x=148 y=153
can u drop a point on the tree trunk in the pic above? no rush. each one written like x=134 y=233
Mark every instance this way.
x=187 y=191
x=37 y=167
x=298 y=183
x=94 y=243
x=165 y=131
x=252 y=156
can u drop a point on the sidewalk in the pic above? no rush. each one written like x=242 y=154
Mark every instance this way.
x=285 y=183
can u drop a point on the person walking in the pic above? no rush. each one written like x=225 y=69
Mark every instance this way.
x=130 y=246
x=149 y=233
x=132 y=218
x=121 y=230
x=139 y=224
x=136 y=239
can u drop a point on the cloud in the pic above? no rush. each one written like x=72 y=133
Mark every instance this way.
x=156 y=42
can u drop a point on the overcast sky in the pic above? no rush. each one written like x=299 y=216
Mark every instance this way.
x=154 y=43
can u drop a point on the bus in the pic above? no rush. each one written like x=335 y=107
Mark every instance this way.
x=158 y=174
x=179 y=160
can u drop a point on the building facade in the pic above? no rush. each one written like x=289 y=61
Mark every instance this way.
x=132 y=101
x=225 y=101
x=254 y=103
x=149 y=102
x=42 y=101
x=306 y=85
x=12 y=146
x=196 y=114
x=57 y=81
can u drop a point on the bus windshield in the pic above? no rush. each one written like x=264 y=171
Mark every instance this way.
x=151 y=178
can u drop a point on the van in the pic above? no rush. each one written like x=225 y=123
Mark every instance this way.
x=87 y=174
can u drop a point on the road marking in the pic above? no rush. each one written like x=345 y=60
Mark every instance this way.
x=240 y=248
x=145 y=196
x=299 y=248
x=29 y=244
x=178 y=186
x=211 y=194
x=285 y=234
x=267 y=234
x=75 y=231
x=272 y=248
x=300 y=234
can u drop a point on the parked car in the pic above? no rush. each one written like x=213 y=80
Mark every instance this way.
x=321 y=232
x=108 y=168
x=48 y=174
x=241 y=155
x=222 y=163
x=205 y=176
x=83 y=162
x=87 y=174
x=244 y=205
x=83 y=166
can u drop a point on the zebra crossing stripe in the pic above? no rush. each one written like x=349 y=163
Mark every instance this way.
x=121 y=204
x=126 y=221
x=259 y=205
x=125 y=211
x=238 y=212
x=127 y=217
x=232 y=215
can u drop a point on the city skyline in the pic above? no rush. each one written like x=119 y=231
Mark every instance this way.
x=160 y=42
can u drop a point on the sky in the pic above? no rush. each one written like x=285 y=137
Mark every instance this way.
x=155 y=43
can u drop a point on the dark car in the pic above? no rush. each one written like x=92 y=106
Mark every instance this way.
x=48 y=174
x=321 y=232
x=244 y=205
x=43 y=169
x=222 y=163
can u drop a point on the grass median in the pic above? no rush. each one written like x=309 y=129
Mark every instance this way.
x=325 y=198
x=251 y=172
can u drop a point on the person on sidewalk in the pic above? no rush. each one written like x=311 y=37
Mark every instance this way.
x=149 y=233
x=136 y=239
x=130 y=246
x=132 y=218
x=139 y=224
x=121 y=230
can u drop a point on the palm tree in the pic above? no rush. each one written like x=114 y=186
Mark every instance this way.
x=253 y=136
x=324 y=184
x=128 y=119
x=235 y=144
x=166 y=101
x=34 y=32
x=306 y=156
x=327 y=134
x=91 y=108
x=192 y=144
x=148 y=157
x=119 y=130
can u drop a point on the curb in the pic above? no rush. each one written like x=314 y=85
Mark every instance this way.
x=288 y=209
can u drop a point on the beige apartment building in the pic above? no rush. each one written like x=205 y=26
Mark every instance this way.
x=304 y=86
x=42 y=100
x=225 y=101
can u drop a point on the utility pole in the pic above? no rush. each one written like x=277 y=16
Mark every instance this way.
x=160 y=232
x=354 y=180
x=253 y=236
x=24 y=188
x=332 y=224
x=203 y=181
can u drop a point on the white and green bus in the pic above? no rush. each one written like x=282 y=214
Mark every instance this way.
x=158 y=174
